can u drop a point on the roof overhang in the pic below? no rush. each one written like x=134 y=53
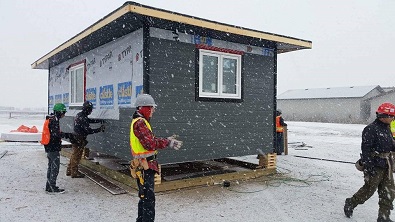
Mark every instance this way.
x=132 y=16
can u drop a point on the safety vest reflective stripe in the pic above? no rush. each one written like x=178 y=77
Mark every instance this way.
x=138 y=150
x=279 y=128
x=393 y=128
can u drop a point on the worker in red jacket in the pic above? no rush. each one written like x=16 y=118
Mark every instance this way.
x=144 y=146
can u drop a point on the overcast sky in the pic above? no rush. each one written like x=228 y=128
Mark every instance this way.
x=353 y=40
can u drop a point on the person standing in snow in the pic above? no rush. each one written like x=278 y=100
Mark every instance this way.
x=78 y=141
x=279 y=133
x=144 y=145
x=53 y=146
x=376 y=159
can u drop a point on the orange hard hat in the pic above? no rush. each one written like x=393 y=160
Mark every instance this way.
x=386 y=109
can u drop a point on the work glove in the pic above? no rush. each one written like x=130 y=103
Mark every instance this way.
x=71 y=138
x=368 y=166
x=175 y=144
x=65 y=135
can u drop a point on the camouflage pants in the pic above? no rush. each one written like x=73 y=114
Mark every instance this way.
x=385 y=186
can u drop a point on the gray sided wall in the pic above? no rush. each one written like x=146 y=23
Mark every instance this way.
x=209 y=129
x=343 y=110
x=114 y=141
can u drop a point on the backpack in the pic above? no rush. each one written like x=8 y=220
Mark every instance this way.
x=46 y=134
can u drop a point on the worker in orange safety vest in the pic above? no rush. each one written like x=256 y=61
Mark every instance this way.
x=279 y=133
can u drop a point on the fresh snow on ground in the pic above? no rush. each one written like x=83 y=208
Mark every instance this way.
x=304 y=189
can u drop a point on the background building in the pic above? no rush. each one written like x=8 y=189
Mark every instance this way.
x=355 y=104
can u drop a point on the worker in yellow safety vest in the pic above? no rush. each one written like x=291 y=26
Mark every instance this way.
x=279 y=133
x=144 y=145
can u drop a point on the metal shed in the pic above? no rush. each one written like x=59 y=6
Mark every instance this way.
x=215 y=83
x=332 y=104
x=387 y=96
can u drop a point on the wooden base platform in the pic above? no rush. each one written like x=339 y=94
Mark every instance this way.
x=179 y=175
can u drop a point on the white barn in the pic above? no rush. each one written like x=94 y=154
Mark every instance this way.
x=355 y=104
x=388 y=96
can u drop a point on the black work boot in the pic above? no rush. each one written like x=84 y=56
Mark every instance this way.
x=68 y=171
x=54 y=190
x=348 y=208
x=77 y=175
x=382 y=219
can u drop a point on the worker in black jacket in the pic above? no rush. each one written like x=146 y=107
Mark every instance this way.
x=376 y=159
x=81 y=130
x=52 y=146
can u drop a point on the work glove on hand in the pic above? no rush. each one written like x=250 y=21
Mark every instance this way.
x=368 y=166
x=175 y=144
x=65 y=135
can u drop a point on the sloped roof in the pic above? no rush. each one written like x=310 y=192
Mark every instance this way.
x=132 y=16
x=326 y=93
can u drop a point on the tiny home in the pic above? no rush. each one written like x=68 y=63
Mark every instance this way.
x=214 y=83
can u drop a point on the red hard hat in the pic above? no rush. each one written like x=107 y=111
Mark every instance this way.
x=387 y=109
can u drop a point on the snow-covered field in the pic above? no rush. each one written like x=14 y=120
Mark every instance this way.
x=305 y=189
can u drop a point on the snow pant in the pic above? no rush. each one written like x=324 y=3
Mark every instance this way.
x=76 y=153
x=86 y=153
x=385 y=186
x=53 y=169
x=279 y=143
x=146 y=205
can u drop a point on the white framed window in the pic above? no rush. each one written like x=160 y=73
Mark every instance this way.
x=219 y=74
x=77 y=84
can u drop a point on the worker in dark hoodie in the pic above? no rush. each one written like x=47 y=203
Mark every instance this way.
x=52 y=141
x=78 y=141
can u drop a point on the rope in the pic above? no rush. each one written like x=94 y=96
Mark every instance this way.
x=283 y=178
x=315 y=158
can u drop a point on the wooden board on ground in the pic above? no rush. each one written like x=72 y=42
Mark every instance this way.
x=189 y=178
x=101 y=181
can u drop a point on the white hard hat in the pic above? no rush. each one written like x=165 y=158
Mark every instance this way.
x=144 y=100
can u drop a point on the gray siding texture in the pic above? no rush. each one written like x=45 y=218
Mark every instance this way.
x=209 y=130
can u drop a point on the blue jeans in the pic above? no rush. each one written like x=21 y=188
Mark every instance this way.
x=146 y=205
x=53 y=169
x=279 y=143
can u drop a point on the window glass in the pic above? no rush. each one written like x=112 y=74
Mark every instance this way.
x=219 y=74
x=229 y=81
x=72 y=87
x=210 y=74
x=79 y=85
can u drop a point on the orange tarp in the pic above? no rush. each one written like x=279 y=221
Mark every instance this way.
x=26 y=129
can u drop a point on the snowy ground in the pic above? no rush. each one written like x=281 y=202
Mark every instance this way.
x=314 y=190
